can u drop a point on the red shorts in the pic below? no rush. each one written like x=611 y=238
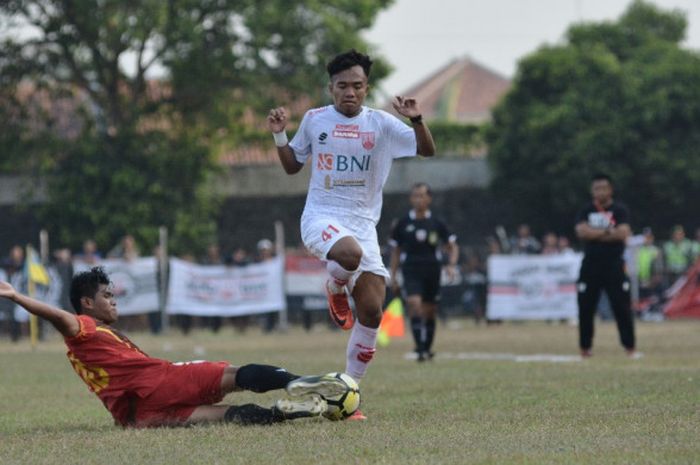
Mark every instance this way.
x=184 y=388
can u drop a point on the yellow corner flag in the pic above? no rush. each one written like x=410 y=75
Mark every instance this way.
x=35 y=271
x=35 y=274
x=392 y=324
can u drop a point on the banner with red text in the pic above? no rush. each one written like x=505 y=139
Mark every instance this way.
x=533 y=287
x=217 y=290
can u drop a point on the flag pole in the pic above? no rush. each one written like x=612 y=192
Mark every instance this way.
x=280 y=252
x=163 y=277
x=31 y=291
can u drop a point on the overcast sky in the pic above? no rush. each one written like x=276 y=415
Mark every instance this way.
x=419 y=36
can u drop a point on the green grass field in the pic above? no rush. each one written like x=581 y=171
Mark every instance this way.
x=458 y=409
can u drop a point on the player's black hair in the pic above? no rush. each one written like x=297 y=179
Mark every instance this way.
x=601 y=177
x=347 y=60
x=418 y=185
x=86 y=284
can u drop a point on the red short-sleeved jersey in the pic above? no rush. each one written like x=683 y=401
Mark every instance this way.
x=112 y=366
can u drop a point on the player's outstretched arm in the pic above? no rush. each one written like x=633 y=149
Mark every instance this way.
x=408 y=107
x=66 y=323
x=277 y=122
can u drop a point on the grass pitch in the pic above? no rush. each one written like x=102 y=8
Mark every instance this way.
x=461 y=408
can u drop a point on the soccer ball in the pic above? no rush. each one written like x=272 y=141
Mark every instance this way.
x=342 y=406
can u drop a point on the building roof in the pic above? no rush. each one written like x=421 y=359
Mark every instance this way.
x=463 y=91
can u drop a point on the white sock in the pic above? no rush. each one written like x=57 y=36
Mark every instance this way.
x=361 y=348
x=340 y=276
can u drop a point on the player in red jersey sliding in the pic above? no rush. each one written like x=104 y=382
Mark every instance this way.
x=143 y=391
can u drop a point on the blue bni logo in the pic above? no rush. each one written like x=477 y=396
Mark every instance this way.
x=351 y=163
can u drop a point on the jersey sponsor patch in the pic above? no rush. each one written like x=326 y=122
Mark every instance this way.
x=601 y=220
x=346 y=131
x=325 y=161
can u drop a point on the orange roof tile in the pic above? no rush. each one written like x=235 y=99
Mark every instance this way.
x=462 y=91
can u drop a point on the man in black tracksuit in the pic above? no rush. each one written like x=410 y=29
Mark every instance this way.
x=416 y=238
x=603 y=226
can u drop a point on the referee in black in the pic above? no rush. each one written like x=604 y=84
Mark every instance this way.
x=415 y=239
x=603 y=226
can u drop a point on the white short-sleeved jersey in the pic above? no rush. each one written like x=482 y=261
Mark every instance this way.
x=351 y=159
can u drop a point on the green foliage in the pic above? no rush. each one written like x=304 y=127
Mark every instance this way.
x=125 y=154
x=618 y=97
x=132 y=183
x=455 y=139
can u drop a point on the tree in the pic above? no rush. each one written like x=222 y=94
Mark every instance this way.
x=151 y=88
x=619 y=97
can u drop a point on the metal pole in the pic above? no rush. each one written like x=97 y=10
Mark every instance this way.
x=163 y=276
x=44 y=251
x=44 y=246
x=279 y=247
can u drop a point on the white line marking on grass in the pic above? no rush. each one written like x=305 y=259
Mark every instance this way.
x=550 y=358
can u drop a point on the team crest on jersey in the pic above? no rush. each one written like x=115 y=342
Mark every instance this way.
x=367 y=140
x=325 y=161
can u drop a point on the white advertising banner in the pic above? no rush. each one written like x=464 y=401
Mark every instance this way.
x=135 y=283
x=217 y=290
x=305 y=276
x=533 y=287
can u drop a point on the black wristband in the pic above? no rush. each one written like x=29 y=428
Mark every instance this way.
x=417 y=119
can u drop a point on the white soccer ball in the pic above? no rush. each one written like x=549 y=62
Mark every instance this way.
x=342 y=406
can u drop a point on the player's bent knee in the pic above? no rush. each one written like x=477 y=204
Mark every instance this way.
x=347 y=252
x=228 y=379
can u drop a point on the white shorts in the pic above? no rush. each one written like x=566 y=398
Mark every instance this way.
x=321 y=233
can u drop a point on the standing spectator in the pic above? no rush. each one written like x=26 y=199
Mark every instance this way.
x=493 y=246
x=213 y=257
x=474 y=297
x=13 y=265
x=240 y=257
x=649 y=267
x=416 y=239
x=184 y=321
x=524 y=243
x=63 y=264
x=678 y=255
x=266 y=251
x=564 y=245
x=603 y=226
x=126 y=249
x=550 y=244
x=89 y=254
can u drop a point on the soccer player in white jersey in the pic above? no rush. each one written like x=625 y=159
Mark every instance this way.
x=351 y=148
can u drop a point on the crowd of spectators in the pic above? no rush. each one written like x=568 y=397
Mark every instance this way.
x=654 y=265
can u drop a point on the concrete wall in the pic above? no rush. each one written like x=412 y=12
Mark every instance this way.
x=256 y=197
x=441 y=173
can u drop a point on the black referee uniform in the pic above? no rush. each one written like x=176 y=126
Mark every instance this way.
x=603 y=268
x=421 y=263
